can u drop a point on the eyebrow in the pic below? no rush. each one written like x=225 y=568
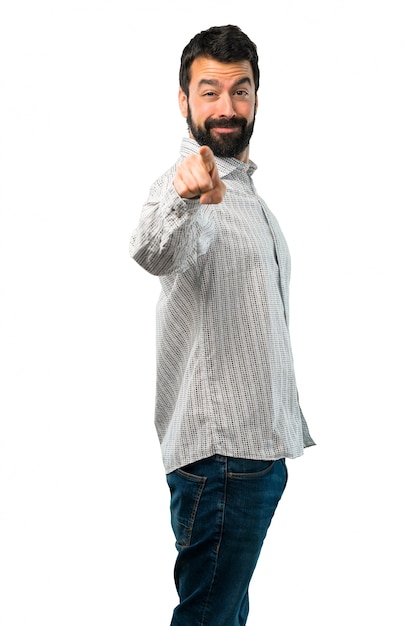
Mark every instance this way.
x=216 y=83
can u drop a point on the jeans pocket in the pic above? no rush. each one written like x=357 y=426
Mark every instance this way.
x=256 y=488
x=186 y=490
x=248 y=468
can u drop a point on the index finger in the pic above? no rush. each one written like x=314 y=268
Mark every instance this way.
x=207 y=157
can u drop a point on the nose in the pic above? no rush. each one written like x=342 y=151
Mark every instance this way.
x=225 y=106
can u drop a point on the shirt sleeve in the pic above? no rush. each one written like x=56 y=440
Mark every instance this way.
x=166 y=238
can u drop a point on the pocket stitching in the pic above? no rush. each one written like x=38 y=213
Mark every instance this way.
x=188 y=529
x=250 y=475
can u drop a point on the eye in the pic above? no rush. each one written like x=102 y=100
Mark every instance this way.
x=242 y=93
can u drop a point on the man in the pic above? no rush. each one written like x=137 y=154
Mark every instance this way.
x=227 y=410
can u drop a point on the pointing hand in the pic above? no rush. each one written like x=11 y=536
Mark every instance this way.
x=197 y=176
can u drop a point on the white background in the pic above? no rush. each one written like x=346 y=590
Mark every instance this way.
x=89 y=119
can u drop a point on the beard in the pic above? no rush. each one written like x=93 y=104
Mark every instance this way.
x=225 y=145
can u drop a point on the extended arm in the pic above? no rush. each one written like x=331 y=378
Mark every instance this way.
x=165 y=240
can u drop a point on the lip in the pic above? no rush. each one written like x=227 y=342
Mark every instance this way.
x=225 y=130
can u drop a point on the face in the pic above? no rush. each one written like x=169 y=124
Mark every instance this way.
x=221 y=106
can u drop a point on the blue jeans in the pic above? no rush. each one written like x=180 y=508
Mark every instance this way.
x=221 y=508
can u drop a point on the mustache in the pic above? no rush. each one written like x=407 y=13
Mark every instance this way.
x=234 y=122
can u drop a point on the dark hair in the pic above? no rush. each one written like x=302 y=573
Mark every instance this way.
x=226 y=44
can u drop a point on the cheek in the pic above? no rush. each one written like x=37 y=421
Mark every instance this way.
x=248 y=111
x=201 y=113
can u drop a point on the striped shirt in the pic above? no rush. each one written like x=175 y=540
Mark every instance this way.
x=225 y=376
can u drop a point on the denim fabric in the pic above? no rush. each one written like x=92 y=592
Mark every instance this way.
x=221 y=508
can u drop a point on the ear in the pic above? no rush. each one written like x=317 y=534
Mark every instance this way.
x=182 y=102
x=256 y=103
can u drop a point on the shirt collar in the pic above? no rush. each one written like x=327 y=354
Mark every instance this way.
x=225 y=165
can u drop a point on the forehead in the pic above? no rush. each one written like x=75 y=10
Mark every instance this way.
x=207 y=68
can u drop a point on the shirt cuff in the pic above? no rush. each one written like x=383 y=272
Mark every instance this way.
x=181 y=206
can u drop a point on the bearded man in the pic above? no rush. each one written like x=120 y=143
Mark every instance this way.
x=227 y=408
